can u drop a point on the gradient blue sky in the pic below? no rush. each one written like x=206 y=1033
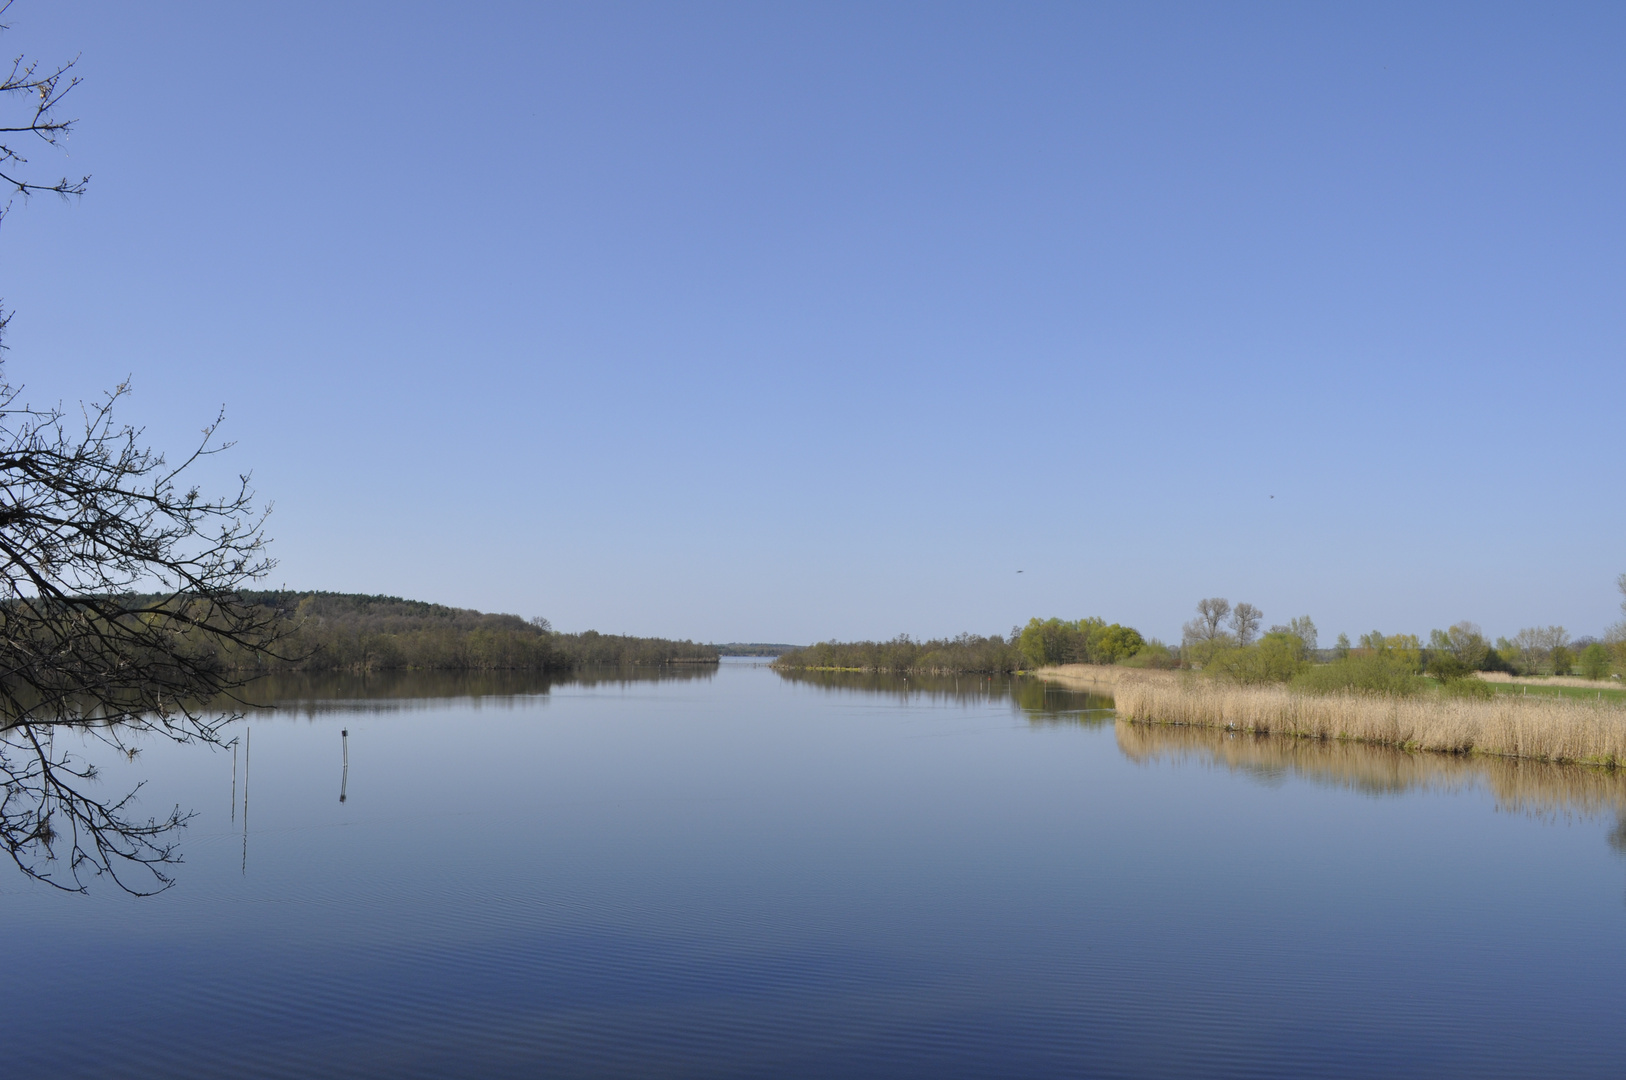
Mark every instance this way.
x=774 y=322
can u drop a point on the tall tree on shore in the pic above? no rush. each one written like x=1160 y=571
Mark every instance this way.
x=1245 y=620
x=1204 y=634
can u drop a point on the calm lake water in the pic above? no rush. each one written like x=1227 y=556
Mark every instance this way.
x=736 y=873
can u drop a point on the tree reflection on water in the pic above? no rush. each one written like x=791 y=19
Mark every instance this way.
x=58 y=831
x=398 y=691
x=1037 y=701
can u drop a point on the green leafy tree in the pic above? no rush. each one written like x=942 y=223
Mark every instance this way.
x=1382 y=674
x=1563 y=660
x=965 y=653
x=1404 y=649
x=1595 y=661
x=1447 y=666
x=1276 y=658
x=1302 y=628
x=1054 y=641
x=1084 y=641
x=1464 y=641
x=1153 y=654
x=1115 y=643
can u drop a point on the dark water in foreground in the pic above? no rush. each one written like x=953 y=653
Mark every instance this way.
x=739 y=874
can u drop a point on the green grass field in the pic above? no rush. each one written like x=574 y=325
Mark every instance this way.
x=1535 y=689
x=1580 y=693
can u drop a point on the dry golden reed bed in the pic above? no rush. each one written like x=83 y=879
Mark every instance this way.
x=1094 y=676
x=1541 y=728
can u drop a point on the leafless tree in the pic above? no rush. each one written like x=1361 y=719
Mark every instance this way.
x=1304 y=629
x=120 y=612
x=58 y=832
x=39 y=91
x=1211 y=615
x=1536 y=645
x=1616 y=634
x=118 y=585
x=120 y=604
x=1245 y=620
x=1202 y=635
x=33 y=95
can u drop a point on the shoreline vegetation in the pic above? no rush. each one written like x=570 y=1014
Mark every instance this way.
x=354 y=633
x=754 y=648
x=1460 y=693
x=1503 y=725
x=966 y=654
x=1039 y=643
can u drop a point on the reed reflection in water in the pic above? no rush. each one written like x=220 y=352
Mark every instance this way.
x=1538 y=788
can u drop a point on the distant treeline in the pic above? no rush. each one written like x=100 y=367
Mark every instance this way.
x=1039 y=643
x=347 y=632
x=966 y=653
x=754 y=648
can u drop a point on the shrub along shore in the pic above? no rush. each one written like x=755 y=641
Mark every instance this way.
x=1505 y=725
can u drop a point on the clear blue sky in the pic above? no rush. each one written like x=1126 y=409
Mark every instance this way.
x=776 y=322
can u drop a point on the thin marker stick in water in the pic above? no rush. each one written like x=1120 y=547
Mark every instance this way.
x=344 y=776
x=248 y=741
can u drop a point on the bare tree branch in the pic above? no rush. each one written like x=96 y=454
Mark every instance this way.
x=120 y=604
x=39 y=92
x=120 y=612
x=59 y=834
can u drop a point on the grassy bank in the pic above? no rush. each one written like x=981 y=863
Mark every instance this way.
x=1576 y=689
x=1509 y=725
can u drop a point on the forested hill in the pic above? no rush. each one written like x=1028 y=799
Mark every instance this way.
x=352 y=632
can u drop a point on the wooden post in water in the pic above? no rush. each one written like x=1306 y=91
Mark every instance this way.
x=344 y=776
